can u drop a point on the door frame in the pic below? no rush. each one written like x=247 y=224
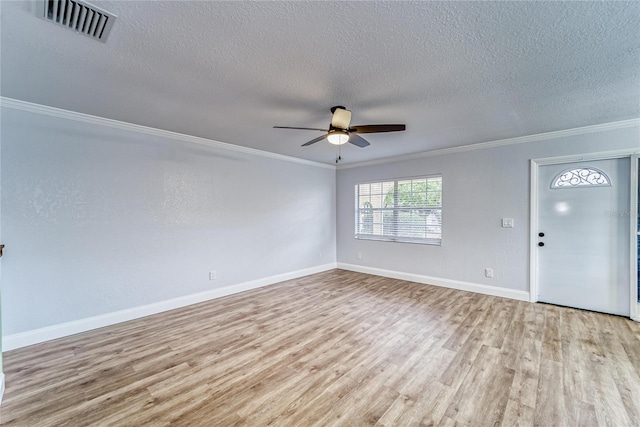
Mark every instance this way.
x=533 y=215
x=634 y=311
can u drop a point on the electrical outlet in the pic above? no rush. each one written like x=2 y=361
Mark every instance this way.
x=359 y=255
x=213 y=275
x=488 y=272
x=507 y=222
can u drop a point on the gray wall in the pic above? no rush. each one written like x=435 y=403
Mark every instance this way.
x=480 y=187
x=1 y=240
x=98 y=219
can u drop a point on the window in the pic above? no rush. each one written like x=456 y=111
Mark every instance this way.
x=402 y=210
x=581 y=177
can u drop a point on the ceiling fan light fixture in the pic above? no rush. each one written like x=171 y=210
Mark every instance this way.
x=338 y=137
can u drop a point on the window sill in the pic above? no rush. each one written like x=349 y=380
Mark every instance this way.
x=431 y=242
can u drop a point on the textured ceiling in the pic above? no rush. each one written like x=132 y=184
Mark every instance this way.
x=456 y=73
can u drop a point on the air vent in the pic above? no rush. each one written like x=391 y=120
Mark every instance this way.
x=78 y=16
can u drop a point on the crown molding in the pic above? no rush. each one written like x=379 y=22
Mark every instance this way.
x=17 y=104
x=500 y=143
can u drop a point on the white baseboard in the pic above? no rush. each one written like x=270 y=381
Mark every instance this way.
x=436 y=281
x=23 y=339
x=1 y=387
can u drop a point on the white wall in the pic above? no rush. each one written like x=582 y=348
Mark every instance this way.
x=98 y=219
x=479 y=188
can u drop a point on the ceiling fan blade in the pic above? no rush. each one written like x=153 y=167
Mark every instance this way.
x=313 y=141
x=358 y=140
x=377 y=128
x=289 y=127
x=341 y=118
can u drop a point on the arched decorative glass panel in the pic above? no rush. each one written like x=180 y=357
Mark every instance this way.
x=581 y=177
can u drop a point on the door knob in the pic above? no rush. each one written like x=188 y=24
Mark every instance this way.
x=541 y=244
x=541 y=234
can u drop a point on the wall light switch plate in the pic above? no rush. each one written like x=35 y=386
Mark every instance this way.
x=507 y=222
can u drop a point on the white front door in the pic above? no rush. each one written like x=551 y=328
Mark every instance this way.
x=583 y=235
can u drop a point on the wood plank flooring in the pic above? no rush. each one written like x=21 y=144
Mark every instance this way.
x=336 y=349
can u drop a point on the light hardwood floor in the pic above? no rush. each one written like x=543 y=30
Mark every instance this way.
x=337 y=348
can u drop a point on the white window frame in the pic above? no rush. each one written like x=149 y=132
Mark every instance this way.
x=395 y=210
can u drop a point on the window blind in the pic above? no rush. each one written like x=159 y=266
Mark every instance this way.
x=400 y=210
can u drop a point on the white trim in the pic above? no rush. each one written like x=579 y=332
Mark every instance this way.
x=499 y=143
x=1 y=387
x=36 y=336
x=533 y=234
x=634 y=309
x=437 y=281
x=16 y=104
x=574 y=158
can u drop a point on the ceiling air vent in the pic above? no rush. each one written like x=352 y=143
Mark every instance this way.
x=78 y=16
